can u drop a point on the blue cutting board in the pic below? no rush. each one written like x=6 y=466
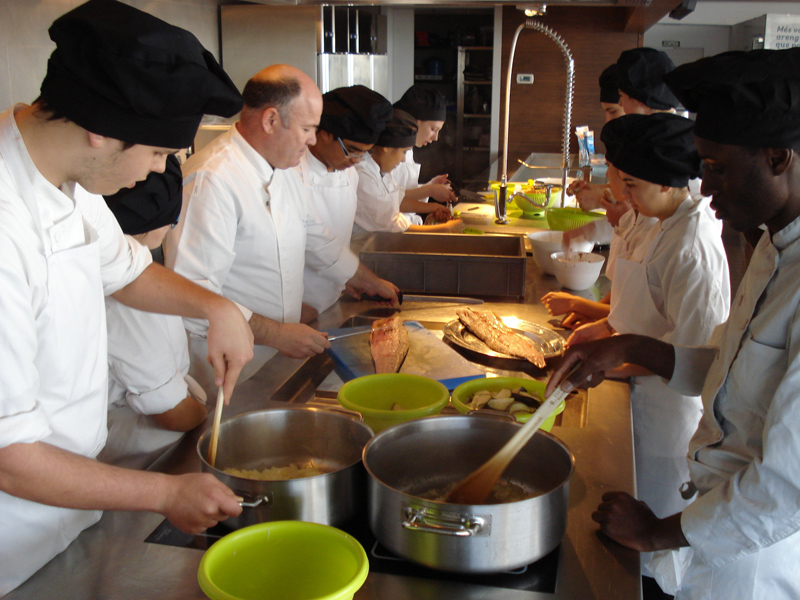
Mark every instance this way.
x=427 y=355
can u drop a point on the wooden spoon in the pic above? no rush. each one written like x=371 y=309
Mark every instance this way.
x=475 y=488
x=212 y=444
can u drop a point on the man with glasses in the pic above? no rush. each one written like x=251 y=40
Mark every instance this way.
x=249 y=228
x=352 y=118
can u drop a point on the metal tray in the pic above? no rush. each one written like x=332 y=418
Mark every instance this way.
x=550 y=343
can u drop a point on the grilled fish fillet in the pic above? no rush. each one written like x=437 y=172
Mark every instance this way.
x=498 y=336
x=388 y=342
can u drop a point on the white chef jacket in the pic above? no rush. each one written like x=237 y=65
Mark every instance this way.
x=406 y=177
x=248 y=233
x=630 y=231
x=678 y=291
x=379 y=200
x=743 y=528
x=332 y=195
x=148 y=358
x=52 y=347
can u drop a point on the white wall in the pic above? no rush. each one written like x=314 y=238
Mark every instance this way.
x=25 y=45
x=711 y=39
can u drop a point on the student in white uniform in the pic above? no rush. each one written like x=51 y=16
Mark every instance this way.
x=379 y=196
x=150 y=403
x=250 y=229
x=352 y=118
x=104 y=120
x=740 y=537
x=673 y=286
x=427 y=106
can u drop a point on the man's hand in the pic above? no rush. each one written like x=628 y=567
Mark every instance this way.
x=441 y=178
x=230 y=344
x=590 y=332
x=365 y=281
x=297 y=340
x=442 y=193
x=630 y=522
x=558 y=303
x=588 y=196
x=196 y=501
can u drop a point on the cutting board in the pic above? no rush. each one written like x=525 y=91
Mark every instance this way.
x=427 y=355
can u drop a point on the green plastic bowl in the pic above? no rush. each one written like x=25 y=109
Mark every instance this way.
x=374 y=396
x=284 y=560
x=567 y=218
x=465 y=391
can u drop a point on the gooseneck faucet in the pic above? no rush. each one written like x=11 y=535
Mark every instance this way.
x=502 y=193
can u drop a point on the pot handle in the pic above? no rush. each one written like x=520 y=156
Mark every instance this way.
x=421 y=519
x=249 y=501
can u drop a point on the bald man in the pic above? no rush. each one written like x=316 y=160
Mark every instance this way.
x=249 y=229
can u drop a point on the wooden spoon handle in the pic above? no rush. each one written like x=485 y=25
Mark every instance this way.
x=212 y=444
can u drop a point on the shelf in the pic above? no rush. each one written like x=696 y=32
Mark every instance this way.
x=476 y=149
x=474 y=116
x=428 y=77
x=477 y=82
x=473 y=48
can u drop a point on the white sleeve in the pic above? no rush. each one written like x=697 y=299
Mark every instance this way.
x=376 y=206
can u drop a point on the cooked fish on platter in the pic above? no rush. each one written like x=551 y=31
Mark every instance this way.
x=388 y=343
x=498 y=336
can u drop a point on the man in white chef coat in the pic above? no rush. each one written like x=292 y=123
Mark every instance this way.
x=740 y=537
x=352 y=118
x=249 y=227
x=104 y=120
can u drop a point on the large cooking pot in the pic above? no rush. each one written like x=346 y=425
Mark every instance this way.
x=279 y=437
x=414 y=457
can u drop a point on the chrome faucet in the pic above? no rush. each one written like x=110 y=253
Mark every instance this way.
x=501 y=194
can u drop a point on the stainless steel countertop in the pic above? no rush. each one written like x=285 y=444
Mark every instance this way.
x=111 y=560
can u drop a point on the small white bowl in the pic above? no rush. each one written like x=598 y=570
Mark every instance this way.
x=544 y=243
x=581 y=272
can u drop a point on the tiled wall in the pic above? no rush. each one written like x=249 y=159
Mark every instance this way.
x=25 y=44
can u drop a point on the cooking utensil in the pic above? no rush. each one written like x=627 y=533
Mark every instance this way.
x=356 y=331
x=476 y=487
x=212 y=445
x=408 y=461
x=423 y=298
x=278 y=438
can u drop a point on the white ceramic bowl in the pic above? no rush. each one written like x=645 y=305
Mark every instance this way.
x=544 y=243
x=581 y=272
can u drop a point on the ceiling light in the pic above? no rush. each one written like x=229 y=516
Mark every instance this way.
x=532 y=10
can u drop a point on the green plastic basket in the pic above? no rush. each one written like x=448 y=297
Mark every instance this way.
x=564 y=219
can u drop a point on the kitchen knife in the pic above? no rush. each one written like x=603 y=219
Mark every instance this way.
x=344 y=333
x=424 y=298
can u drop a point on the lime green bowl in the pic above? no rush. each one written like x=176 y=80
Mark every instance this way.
x=463 y=393
x=567 y=218
x=374 y=396
x=284 y=560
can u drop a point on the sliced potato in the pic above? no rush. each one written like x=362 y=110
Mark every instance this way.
x=519 y=407
x=501 y=403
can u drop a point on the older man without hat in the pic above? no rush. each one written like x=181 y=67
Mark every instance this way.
x=104 y=121
x=351 y=121
x=740 y=537
x=249 y=228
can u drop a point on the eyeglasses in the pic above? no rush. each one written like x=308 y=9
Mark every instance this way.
x=350 y=154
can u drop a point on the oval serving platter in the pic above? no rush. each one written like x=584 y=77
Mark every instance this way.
x=550 y=343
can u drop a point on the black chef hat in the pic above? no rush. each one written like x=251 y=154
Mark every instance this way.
x=609 y=85
x=744 y=98
x=400 y=132
x=355 y=113
x=640 y=74
x=151 y=203
x=423 y=103
x=658 y=148
x=122 y=73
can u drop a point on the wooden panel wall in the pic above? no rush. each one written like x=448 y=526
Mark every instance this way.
x=596 y=37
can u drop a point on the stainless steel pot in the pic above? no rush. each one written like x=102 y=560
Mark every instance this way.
x=279 y=437
x=414 y=457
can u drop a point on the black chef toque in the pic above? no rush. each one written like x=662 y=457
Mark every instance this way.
x=640 y=73
x=609 y=85
x=658 y=148
x=355 y=113
x=122 y=73
x=400 y=132
x=423 y=103
x=151 y=203
x=743 y=98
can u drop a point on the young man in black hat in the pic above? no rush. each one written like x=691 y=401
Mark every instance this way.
x=379 y=196
x=740 y=537
x=250 y=229
x=105 y=119
x=351 y=121
x=640 y=79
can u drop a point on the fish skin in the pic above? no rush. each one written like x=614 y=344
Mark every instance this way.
x=498 y=336
x=388 y=343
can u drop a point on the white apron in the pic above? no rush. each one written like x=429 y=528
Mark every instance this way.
x=663 y=420
x=71 y=363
